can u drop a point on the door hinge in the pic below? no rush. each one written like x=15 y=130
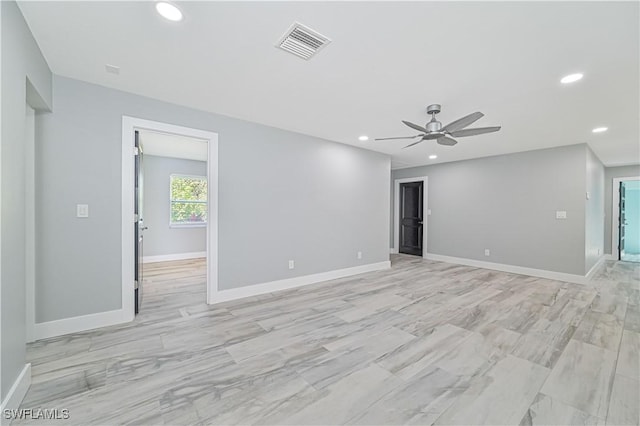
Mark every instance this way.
x=136 y=150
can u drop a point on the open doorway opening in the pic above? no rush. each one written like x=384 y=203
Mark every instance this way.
x=147 y=240
x=628 y=215
x=171 y=206
x=625 y=226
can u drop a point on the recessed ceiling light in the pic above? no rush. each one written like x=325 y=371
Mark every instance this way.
x=600 y=129
x=433 y=157
x=363 y=138
x=571 y=78
x=169 y=11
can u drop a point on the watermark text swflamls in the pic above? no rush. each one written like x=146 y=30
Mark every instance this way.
x=37 y=414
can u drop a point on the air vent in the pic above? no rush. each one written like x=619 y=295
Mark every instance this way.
x=302 y=41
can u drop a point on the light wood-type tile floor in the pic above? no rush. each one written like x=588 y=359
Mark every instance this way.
x=422 y=343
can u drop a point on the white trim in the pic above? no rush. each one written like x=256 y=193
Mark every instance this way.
x=541 y=273
x=17 y=391
x=392 y=250
x=44 y=330
x=396 y=211
x=175 y=256
x=30 y=222
x=129 y=125
x=595 y=268
x=269 y=287
x=615 y=212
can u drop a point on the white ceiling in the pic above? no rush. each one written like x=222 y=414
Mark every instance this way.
x=387 y=61
x=173 y=146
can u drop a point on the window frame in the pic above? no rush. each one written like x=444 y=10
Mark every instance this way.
x=171 y=200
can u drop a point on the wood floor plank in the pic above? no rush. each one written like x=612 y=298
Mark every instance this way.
x=421 y=343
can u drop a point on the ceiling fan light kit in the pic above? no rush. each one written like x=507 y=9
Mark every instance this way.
x=443 y=135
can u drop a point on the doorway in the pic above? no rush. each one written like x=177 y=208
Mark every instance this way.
x=628 y=220
x=133 y=213
x=171 y=208
x=410 y=210
x=411 y=218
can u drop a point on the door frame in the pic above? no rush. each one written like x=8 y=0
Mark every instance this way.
x=396 y=212
x=615 y=213
x=129 y=125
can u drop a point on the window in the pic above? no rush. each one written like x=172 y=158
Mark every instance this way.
x=188 y=200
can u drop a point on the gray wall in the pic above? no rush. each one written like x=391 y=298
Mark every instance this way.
x=594 y=210
x=609 y=174
x=282 y=196
x=21 y=60
x=507 y=204
x=160 y=239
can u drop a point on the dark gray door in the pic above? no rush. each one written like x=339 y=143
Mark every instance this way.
x=622 y=221
x=138 y=226
x=411 y=209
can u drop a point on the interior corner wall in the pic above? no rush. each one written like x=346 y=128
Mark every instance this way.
x=160 y=239
x=282 y=196
x=594 y=211
x=609 y=174
x=508 y=204
x=22 y=61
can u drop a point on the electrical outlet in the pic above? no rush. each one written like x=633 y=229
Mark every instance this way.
x=487 y=252
x=291 y=264
x=561 y=214
x=359 y=255
x=82 y=210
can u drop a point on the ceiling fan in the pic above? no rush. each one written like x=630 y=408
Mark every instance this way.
x=442 y=135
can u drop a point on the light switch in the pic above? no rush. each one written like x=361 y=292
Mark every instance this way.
x=428 y=212
x=588 y=195
x=82 y=210
x=561 y=214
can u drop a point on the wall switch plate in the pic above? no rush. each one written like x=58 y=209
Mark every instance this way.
x=82 y=210
x=428 y=212
x=291 y=264
x=561 y=214
x=487 y=252
x=359 y=255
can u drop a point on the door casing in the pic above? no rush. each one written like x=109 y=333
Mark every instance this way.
x=129 y=125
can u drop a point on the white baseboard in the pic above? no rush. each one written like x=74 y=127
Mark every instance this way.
x=595 y=268
x=541 y=273
x=393 y=250
x=55 y=328
x=17 y=392
x=176 y=256
x=270 y=287
x=609 y=257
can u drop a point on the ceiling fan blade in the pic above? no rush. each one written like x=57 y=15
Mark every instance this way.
x=473 y=132
x=415 y=126
x=401 y=137
x=415 y=143
x=463 y=122
x=445 y=140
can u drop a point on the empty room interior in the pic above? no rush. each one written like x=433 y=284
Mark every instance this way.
x=320 y=213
